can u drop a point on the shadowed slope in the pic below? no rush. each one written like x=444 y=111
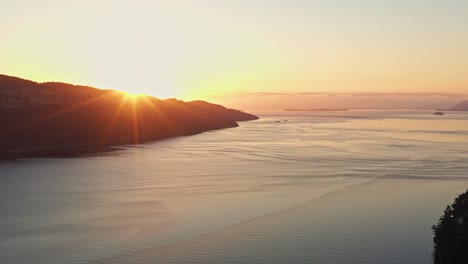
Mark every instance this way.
x=36 y=118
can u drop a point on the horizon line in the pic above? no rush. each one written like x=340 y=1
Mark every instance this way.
x=354 y=94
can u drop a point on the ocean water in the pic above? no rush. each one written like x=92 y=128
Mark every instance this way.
x=292 y=187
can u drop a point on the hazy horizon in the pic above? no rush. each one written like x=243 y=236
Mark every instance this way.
x=397 y=101
x=205 y=49
x=326 y=100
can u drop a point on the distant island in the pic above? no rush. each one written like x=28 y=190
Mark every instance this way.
x=316 y=110
x=44 y=119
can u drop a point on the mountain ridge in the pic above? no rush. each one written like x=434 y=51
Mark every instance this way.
x=40 y=119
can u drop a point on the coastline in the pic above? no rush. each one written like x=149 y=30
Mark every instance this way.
x=65 y=120
x=73 y=151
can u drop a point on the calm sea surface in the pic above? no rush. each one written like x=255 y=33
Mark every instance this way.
x=336 y=187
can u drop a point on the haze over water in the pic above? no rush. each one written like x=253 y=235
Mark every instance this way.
x=321 y=187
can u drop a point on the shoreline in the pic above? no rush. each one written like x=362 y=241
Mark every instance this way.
x=84 y=150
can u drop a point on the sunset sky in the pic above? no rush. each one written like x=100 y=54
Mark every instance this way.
x=195 y=49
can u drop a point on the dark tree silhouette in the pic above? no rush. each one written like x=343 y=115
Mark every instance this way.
x=451 y=233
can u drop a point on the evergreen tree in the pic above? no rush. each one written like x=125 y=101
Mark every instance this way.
x=451 y=233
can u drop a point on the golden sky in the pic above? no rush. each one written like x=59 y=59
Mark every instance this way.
x=195 y=49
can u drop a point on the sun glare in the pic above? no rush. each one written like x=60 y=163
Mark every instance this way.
x=131 y=95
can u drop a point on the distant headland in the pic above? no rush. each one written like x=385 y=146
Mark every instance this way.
x=48 y=119
x=462 y=106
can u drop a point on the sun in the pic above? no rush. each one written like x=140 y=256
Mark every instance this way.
x=131 y=95
x=158 y=93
